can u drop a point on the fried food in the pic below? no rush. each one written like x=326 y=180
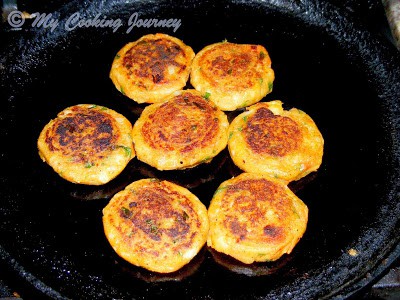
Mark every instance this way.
x=232 y=75
x=182 y=132
x=270 y=140
x=152 y=68
x=87 y=144
x=255 y=218
x=157 y=225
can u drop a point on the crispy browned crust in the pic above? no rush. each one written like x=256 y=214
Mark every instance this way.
x=151 y=68
x=283 y=144
x=255 y=218
x=156 y=225
x=87 y=144
x=180 y=133
x=274 y=135
x=232 y=75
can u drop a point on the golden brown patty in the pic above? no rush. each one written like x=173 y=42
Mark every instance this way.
x=157 y=225
x=152 y=68
x=232 y=75
x=180 y=133
x=255 y=218
x=87 y=144
x=283 y=144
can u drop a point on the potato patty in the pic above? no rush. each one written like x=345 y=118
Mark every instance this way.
x=157 y=225
x=232 y=75
x=255 y=218
x=283 y=144
x=182 y=132
x=87 y=144
x=152 y=68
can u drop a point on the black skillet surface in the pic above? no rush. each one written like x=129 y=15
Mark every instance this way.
x=326 y=64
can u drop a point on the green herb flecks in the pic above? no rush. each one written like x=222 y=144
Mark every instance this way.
x=220 y=189
x=153 y=227
x=262 y=55
x=128 y=151
x=134 y=192
x=98 y=106
x=185 y=216
x=117 y=56
x=206 y=159
x=89 y=165
x=207 y=95
x=126 y=212
x=296 y=213
x=122 y=90
x=230 y=135
x=270 y=86
x=244 y=104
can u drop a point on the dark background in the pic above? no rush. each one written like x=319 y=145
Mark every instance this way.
x=370 y=12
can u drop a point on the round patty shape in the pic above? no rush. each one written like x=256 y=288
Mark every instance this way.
x=157 y=225
x=87 y=144
x=255 y=218
x=152 y=68
x=232 y=75
x=182 y=132
x=270 y=140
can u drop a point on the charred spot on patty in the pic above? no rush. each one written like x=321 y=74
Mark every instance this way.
x=152 y=68
x=237 y=228
x=87 y=144
x=272 y=134
x=259 y=190
x=183 y=124
x=151 y=60
x=83 y=134
x=254 y=217
x=234 y=64
x=244 y=198
x=146 y=215
x=272 y=232
x=268 y=139
x=157 y=225
x=232 y=75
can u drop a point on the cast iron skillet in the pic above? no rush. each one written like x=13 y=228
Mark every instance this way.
x=326 y=64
